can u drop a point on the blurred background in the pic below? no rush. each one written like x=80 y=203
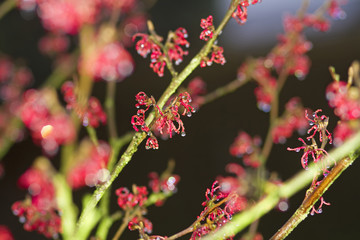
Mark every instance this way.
x=201 y=156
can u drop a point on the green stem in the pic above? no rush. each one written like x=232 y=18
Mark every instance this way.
x=224 y=90
x=65 y=204
x=6 y=7
x=274 y=113
x=344 y=155
x=92 y=134
x=104 y=226
x=116 y=146
x=140 y=136
x=110 y=110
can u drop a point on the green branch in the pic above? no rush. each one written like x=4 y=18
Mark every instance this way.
x=6 y=7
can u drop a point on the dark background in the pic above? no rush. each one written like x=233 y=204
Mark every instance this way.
x=204 y=152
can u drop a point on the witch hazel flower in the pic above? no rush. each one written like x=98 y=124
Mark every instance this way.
x=218 y=210
x=5 y=233
x=142 y=224
x=319 y=124
x=39 y=211
x=345 y=99
x=217 y=56
x=67 y=16
x=123 y=5
x=165 y=183
x=90 y=165
x=110 y=62
x=240 y=14
x=292 y=120
x=313 y=151
x=168 y=118
x=207 y=25
x=174 y=45
x=290 y=53
x=53 y=43
x=318 y=154
x=247 y=148
x=265 y=91
x=138 y=120
x=171 y=50
x=42 y=114
x=335 y=11
x=237 y=185
x=167 y=121
x=91 y=114
x=127 y=200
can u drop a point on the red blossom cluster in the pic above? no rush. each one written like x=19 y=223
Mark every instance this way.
x=90 y=165
x=345 y=99
x=335 y=11
x=317 y=154
x=111 y=62
x=172 y=49
x=127 y=200
x=217 y=56
x=290 y=53
x=167 y=120
x=237 y=184
x=318 y=124
x=13 y=81
x=49 y=125
x=216 y=51
x=165 y=183
x=139 y=119
x=207 y=25
x=90 y=114
x=312 y=150
x=67 y=16
x=218 y=210
x=267 y=86
x=142 y=224
x=5 y=233
x=248 y=148
x=293 y=119
x=240 y=14
x=53 y=43
x=39 y=211
x=165 y=123
x=122 y=5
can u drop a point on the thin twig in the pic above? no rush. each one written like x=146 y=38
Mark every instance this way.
x=303 y=211
x=224 y=90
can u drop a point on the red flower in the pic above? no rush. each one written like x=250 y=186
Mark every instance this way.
x=207 y=25
x=91 y=168
x=5 y=233
x=128 y=200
